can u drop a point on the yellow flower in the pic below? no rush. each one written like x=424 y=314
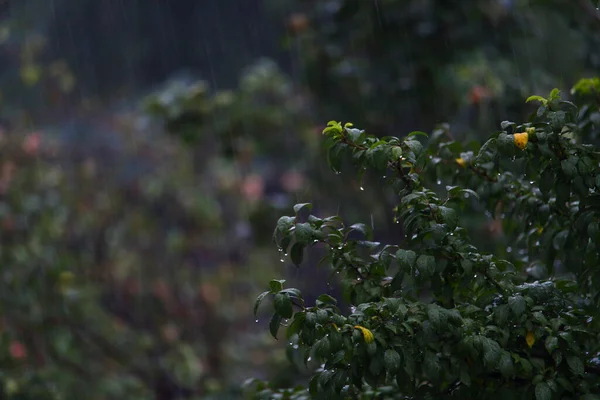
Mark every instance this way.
x=530 y=339
x=367 y=334
x=521 y=139
x=461 y=161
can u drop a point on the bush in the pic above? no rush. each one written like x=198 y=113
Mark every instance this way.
x=433 y=316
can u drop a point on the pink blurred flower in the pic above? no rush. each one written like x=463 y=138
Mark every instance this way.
x=253 y=187
x=17 y=350
x=292 y=181
x=31 y=144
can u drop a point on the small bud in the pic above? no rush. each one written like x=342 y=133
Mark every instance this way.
x=461 y=161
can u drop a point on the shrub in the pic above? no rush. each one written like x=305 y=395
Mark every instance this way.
x=433 y=316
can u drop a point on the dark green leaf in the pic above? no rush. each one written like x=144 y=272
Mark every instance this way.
x=576 y=365
x=406 y=259
x=274 y=324
x=426 y=265
x=542 y=391
x=391 y=360
x=259 y=300
x=304 y=233
x=517 y=304
x=297 y=253
x=551 y=343
x=506 y=366
x=276 y=285
x=283 y=305
x=300 y=206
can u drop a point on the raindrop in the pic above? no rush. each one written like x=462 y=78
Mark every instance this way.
x=285 y=254
x=439 y=182
x=309 y=358
x=509 y=249
x=256 y=321
x=475 y=276
x=362 y=188
x=531 y=182
x=282 y=260
x=385 y=176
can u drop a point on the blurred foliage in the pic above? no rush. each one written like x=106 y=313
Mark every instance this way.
x=406 y=65
x=131 y=291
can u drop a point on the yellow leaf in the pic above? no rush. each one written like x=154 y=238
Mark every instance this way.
x=530 y=339
x=367 y=334
x=521 y=139
x=461 y=161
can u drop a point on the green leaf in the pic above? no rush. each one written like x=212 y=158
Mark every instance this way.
x=300 y=206
x=568 y=168
x=576 y=365
x=491 y=352
x=542 y=391
x=259 y=300
x=362 y=228
x=276 y=285
x=565 y=384
x=517 y=305
x=296 y=324
x=435 y=316
x=325 y=299
x=406 y=259
x=465 y=376
x=415 y=146
x=551 y=343
x=417 y=133
x=274 y=324
x=379 y=157
x=303 y=233
x=354 y=134
x=547 y=181
x=431 y=366
x=297 y=253
x=506 y=366
x=448 y=216
x=391 y=360
x=426 y=265
x=537 y=98
x=283 y=305
x=311 y=319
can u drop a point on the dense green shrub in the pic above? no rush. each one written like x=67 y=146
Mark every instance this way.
x=433 y=316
